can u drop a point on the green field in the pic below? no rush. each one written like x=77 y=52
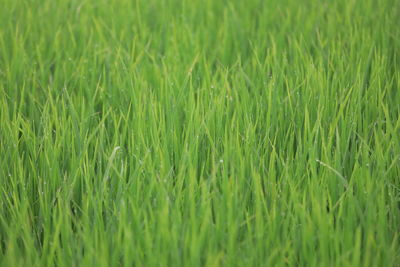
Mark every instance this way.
x=199 y=133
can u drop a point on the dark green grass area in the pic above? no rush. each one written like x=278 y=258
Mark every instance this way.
x=199 y=133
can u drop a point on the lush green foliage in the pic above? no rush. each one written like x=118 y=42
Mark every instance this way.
x=188 y=132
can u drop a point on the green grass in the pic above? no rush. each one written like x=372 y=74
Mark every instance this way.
x=199 y=133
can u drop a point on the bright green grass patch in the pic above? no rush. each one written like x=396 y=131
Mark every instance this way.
x=188 y=133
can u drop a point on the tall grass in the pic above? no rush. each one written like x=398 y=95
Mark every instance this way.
x=191 y=133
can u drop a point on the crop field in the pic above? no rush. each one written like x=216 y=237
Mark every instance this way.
x=199 y=133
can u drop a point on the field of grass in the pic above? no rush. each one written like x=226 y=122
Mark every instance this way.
x=199 y=133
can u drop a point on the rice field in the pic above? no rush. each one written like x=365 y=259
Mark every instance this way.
x=199 y=133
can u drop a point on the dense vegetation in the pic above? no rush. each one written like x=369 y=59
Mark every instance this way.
x=188 y=133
